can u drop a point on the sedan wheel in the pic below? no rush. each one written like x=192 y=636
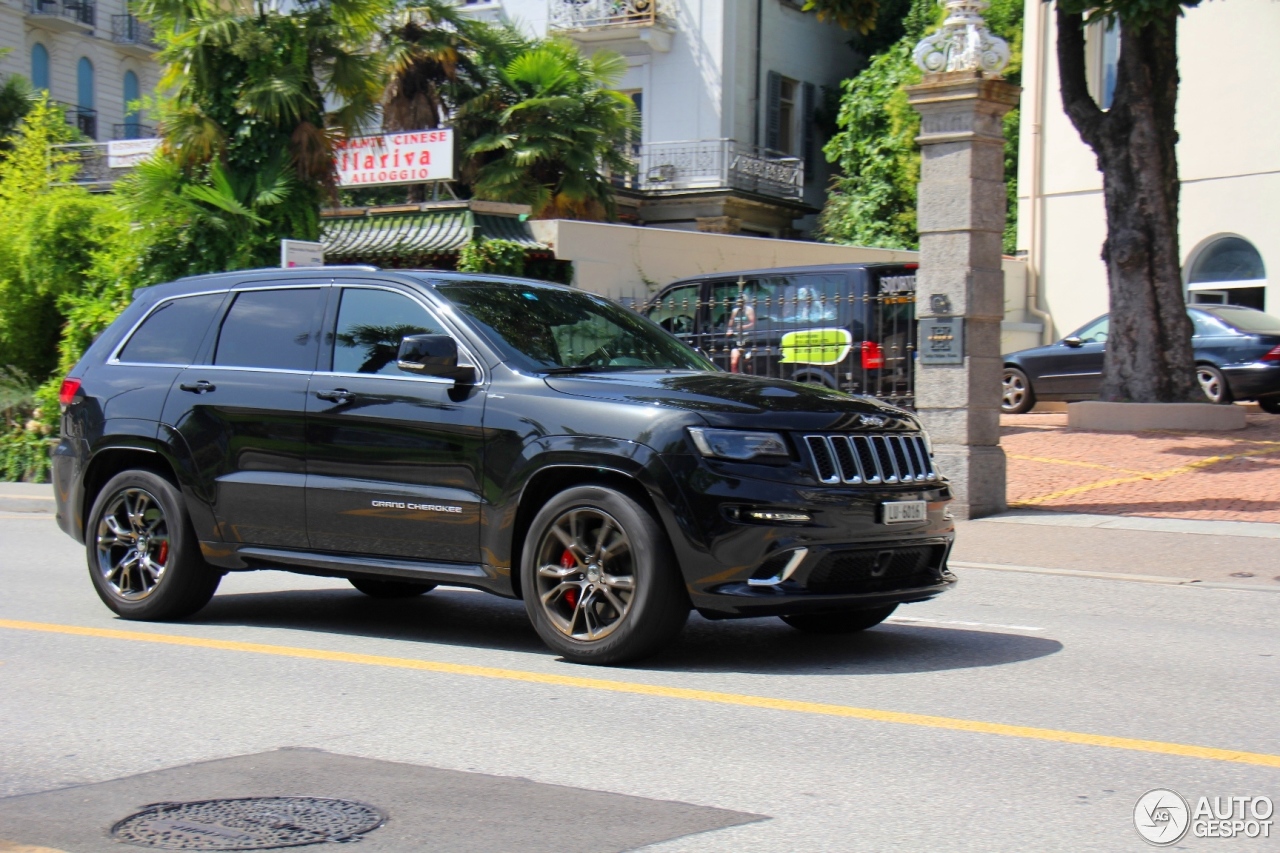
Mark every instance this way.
x=1270 y=405
x=1016 y=394
x=600 y=582
x=1213 y=383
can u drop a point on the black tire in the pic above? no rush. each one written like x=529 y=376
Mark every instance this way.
x=142 y=511
x=390 y=589
x=839 y=622
x=1213 y=384
x=1017 y=395
x=600 y=582
x=1271 y=405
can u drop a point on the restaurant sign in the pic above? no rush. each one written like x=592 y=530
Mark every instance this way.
x=409 y=157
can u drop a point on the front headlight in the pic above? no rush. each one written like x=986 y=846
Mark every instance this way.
x=738 y=444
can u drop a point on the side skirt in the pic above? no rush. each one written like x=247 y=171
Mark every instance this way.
x=250 y=558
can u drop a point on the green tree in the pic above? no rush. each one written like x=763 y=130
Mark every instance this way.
x=873 y=199
x=256 y=87
x=69 y=261
x=549 y=131
x=15 y=103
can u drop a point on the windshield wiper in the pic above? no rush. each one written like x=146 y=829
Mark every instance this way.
x=573 y=368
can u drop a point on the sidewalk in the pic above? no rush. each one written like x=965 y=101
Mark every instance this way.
x=1178 y=506
x=1230 y=476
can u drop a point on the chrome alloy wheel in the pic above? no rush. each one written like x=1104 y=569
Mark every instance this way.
x=1014 y=391
x=133 y=544
x=586 y=580
x=1211 y=383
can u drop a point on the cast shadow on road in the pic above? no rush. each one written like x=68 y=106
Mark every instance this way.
x=762 y=646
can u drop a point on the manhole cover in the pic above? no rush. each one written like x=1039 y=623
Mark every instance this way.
x=251 y=823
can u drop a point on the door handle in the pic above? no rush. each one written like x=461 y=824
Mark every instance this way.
x=341 y=396
x=200 y=387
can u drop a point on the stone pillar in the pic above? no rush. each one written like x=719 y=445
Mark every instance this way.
x=961 y=220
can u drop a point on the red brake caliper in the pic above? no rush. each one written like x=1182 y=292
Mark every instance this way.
x=163 y=556
x=567 y=562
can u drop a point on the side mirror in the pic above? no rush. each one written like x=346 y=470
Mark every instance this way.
x=434 y=355
x=1072 y=342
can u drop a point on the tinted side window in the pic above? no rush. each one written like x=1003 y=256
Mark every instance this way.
x=172 y=333
x=371 y=324
x=676 y=310
x=271 y=328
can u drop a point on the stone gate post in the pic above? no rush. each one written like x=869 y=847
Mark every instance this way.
x=960 y=286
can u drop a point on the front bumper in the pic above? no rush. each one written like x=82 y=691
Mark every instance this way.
x=844 y=557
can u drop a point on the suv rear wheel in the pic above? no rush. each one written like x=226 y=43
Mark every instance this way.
x=840 y=622
x=600 y=582
x=143 y=555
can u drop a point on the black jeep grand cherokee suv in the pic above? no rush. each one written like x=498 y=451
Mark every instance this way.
x=407 y=429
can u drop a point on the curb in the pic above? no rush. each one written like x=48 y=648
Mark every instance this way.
x=1115 y=576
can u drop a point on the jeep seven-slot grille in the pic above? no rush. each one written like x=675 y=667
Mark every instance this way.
x=871 y=459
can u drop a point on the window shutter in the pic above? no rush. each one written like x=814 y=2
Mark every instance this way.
x=808 y=133
x=773 y=107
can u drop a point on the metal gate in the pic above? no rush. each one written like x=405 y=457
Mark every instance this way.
x=830 y=335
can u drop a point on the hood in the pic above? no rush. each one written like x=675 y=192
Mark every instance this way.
x=734 y=400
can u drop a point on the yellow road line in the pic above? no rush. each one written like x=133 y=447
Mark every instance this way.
x=1075 y=464
x=15 y=847
x=1154 y=476
x=714 y=697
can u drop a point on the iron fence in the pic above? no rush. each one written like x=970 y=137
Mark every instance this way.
x=819 y=332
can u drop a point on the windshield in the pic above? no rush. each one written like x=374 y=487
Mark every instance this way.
x=1247 y=320
x=549 y=330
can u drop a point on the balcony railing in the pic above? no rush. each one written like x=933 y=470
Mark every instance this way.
x=82 y=118
x=127 y=29
x=711 y=164
x=132 y=130
x=585 y=14
x=79 y=11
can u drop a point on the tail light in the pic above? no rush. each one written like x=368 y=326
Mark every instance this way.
x=67 y=392
x=1274 y=355
x=872 y=356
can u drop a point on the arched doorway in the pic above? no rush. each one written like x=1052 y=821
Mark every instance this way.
x=1227 y=270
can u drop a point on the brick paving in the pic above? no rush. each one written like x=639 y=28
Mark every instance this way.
x=1233 y=476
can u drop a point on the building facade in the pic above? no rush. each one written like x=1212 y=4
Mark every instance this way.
x=92 y=56
x=1228 y=159
x=726 y=90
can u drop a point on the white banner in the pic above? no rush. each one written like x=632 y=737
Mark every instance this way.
x=409 y=157
x=127 y=153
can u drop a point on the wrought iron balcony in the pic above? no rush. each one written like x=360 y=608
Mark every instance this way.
x=66 y=12
x=613 y=20
x=579 y=14
x=713 y=164
x=128 y=30
x=132 y=130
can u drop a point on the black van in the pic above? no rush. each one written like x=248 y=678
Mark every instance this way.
x=849 y=327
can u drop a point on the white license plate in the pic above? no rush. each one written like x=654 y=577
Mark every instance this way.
x=900 y=512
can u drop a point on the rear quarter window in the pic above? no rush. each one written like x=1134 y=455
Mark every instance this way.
x=172 y=333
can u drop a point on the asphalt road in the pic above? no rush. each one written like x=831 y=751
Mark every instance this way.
x=1020 y=712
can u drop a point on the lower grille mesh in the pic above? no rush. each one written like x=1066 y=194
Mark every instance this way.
x=877 y=570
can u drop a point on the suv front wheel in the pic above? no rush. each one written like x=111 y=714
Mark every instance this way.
x=143 y=555
x=600 y=582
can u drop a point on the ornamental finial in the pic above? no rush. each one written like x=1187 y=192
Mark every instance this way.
x=964 y=43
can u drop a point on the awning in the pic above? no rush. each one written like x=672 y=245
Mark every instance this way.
x=401 y=236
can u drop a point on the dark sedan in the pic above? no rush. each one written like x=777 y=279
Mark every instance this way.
x=1237 y=352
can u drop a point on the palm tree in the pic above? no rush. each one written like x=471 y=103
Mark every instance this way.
x=250 y=82
x=549 y=131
